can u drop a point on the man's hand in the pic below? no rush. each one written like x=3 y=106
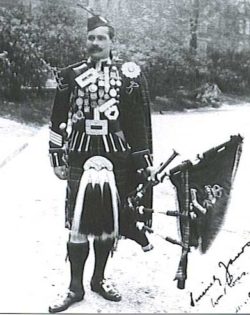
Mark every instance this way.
x=61 y=172
x=147 y=173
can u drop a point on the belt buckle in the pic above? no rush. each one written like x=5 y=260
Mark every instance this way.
x=96 y=127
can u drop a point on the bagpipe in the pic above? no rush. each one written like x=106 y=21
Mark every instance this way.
x=203 y=192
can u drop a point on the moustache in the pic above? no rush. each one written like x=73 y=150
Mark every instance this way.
x=94 y=49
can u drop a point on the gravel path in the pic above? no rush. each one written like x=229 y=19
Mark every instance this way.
x=33 y=268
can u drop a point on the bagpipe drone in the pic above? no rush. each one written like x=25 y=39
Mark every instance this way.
x=203 y=193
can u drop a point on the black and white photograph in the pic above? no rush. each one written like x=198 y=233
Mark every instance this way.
x=124 y=160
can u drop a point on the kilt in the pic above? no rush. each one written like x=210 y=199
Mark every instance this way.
x=98 y=219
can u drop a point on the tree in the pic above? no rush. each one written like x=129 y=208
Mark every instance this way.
x=194 y=21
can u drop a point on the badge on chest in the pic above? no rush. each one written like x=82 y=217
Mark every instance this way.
x=96 y=99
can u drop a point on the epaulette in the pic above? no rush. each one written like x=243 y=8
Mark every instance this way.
x=117 y=60
x=62 y=75
x=79 y=67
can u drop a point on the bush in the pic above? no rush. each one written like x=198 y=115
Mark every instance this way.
x=61 y=33
x=33 y=42
x=19 y=37
x=231 y=71
x=33 y=109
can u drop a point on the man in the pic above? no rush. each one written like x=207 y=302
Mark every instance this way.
x=102 y=101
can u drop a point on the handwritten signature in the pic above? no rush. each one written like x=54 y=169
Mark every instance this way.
x=229 y=280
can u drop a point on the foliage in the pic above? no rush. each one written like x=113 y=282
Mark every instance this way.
x=61 y=34
x=19 y=37
x=180 y=44
x=231 y=71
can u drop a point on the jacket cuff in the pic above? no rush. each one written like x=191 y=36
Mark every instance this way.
x=141 y=159
x=55 y=138
x=57 y=157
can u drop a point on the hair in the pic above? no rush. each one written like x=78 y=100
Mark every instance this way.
x=111 y=32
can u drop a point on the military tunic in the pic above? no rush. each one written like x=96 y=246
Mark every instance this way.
x=105 y=107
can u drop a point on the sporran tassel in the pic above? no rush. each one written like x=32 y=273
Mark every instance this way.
x=97 y=203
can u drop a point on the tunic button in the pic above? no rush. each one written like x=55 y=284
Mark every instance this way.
x=79 y=101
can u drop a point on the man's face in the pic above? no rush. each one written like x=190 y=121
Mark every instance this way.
x=99 y=43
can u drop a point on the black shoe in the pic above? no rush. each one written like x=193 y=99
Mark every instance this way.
x=106 y=290
x=66 y=301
